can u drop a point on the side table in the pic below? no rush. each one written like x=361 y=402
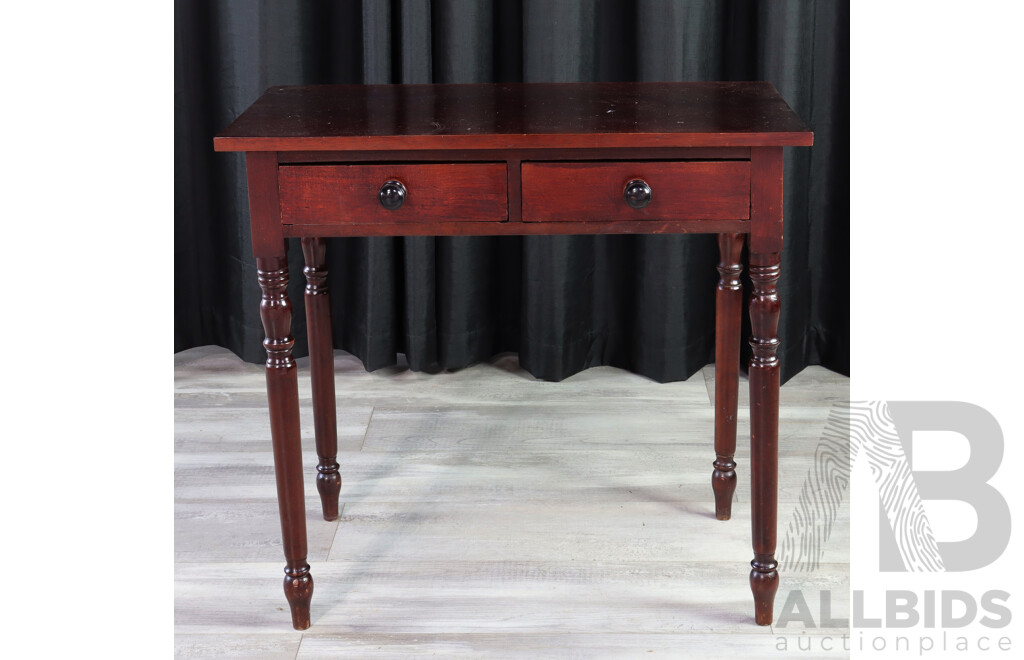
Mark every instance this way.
x=518 y=159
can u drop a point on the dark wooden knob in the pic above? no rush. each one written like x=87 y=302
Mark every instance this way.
x=391 y=195
x=637 y=193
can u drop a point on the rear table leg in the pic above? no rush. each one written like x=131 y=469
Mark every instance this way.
x=321 y=365
x=728 y=310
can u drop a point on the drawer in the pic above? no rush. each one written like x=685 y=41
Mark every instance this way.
x=692 y=190
x=349 y=194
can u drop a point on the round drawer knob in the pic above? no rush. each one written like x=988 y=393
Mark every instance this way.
x=391 y=195
x=637 y=193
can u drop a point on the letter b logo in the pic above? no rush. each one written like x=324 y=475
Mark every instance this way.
x=902 y=524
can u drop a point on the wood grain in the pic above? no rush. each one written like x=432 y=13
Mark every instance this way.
x=264 y=208
x=518 y=228
x=237 y=522
x=342 y=194
x=245 y=646
x=766 y=200
x=571 y=192
x=395 y=471
x=510 y=116
x=578 y=153
x=321 y=350
x=763 y=375
x=728 y=315
x=562 y=599
x=581 y=645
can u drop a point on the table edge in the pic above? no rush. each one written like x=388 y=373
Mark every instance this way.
x=223 y=143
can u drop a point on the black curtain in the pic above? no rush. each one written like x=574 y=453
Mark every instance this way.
x=565 y=303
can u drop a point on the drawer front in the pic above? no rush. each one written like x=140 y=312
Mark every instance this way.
x=696 y=190
x=349 y=194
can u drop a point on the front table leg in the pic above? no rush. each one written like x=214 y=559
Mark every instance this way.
x=764 y=431
x=321 y=367
x=283 y=395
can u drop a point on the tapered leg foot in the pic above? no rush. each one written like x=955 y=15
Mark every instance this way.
x=764 y=582
x=298 y=589
x=328 y=484
x=723 y=483
x=728 y=312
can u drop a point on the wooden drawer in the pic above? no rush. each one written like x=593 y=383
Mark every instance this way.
x=348 y=194
x=693 y=190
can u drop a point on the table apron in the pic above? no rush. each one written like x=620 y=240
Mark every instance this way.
x=520 y=228
x=513 y=225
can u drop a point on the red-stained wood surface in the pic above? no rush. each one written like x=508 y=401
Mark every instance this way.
x=520 y=228
x=264 y=207
x=283 y=398
x=728 y=311
x=268 y=247
x=328 y=194
x=516 y=115
x=519 y=159
x=763 y=373
x=321 y=366
x=528 y=154
x=701 y=190
x=766 y=198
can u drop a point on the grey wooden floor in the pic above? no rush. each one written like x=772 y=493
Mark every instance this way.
x=486 y=514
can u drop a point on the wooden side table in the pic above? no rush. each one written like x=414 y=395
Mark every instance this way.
x=517 y=159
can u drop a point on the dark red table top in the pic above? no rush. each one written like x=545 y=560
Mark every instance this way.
x=516 y=116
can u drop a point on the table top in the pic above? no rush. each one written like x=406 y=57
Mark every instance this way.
x=516 y=116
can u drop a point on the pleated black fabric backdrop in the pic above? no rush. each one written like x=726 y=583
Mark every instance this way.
x=566 y=303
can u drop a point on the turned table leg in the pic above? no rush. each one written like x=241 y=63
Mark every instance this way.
x=269 y=248
x=728 y=312
x=764 y=431
x=283 y=396
x=766 y=200
x=321 y=365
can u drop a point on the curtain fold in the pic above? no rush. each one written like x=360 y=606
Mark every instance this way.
x=565 y=303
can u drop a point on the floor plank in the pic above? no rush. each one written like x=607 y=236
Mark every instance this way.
x=281 y=646
x=223 y=427
x=487 y=514
x=558 y=646
x=453 y=596
x=520 y=471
